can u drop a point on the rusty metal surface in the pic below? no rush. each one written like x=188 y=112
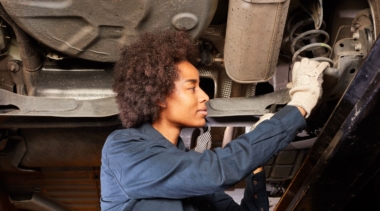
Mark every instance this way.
x=253 y=39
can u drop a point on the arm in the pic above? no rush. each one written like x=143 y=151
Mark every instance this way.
x=150 y=169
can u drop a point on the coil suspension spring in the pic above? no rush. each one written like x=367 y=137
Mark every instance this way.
x=297 y=42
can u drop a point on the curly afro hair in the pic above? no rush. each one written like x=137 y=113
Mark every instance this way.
x=146 y=71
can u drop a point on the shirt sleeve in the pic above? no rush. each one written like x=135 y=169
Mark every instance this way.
x=147 y=169
x=255 y=196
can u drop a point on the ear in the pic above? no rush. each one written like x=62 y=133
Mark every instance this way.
x=162 y=104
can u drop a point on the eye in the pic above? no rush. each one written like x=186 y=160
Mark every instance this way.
x=192 y=89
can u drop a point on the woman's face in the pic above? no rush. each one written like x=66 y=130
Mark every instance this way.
x=186 y=105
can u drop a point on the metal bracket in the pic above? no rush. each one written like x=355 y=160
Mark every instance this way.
x=243 y=106
x=58 y=107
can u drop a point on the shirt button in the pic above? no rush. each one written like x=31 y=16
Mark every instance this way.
x=255 y=196
x=255 y=182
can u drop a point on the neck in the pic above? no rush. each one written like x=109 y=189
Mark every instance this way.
x=170 y=132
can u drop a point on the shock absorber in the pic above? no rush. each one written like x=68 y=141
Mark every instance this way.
x=309 y=41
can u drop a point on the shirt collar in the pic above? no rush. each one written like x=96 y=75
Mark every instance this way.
x=149 y=130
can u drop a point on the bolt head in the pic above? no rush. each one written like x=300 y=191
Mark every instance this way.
x=13 y=66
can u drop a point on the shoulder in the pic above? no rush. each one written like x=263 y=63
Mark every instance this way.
x=126 y=134
x=125 y=138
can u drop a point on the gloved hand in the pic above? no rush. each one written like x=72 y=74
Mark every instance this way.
x=306 y=86
x=262 y=118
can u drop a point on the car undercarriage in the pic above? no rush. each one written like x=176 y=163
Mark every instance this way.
x=57 y=106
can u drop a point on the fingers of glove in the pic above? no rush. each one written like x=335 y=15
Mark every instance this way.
x=289 y=85
x=320 y=78
x=307 y=69
x=313 y=63
x=307 y=65
x=318 y=73
x=322 y=66
x=295 y=70
x=305 y=62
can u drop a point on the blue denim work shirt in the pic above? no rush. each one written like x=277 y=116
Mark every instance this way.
x=141 y=170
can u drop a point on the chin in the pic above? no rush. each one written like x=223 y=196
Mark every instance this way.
x=201 y=124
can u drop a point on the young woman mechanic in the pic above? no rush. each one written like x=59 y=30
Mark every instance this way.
x=146 y=166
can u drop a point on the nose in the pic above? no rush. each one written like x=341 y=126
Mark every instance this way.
x=203 y=97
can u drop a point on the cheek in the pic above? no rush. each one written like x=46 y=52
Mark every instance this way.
x=183 y=103
x=188 y=100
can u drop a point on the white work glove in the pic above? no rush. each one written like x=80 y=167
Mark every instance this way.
x=262 y=118
x=306 y=87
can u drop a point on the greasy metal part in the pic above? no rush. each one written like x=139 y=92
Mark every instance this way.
x=206 y=52
x=12 y=154
x=58 y=107
x=242 y=106
x=216 y=34
x=345 y=155
x=335 y=81
x=29 y=54
x=362 y=20
x=347 y=61
x=362 y=29
x=6 y=79
x=342 y=16
x=39 y=202
x=14 y=67
x=96 y=29
x=250 y=55
x=315 y=9
x=347 y=46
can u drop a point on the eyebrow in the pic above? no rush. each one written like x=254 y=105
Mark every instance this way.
x=191 y=80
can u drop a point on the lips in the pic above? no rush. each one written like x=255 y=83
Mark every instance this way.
x=202 y=111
